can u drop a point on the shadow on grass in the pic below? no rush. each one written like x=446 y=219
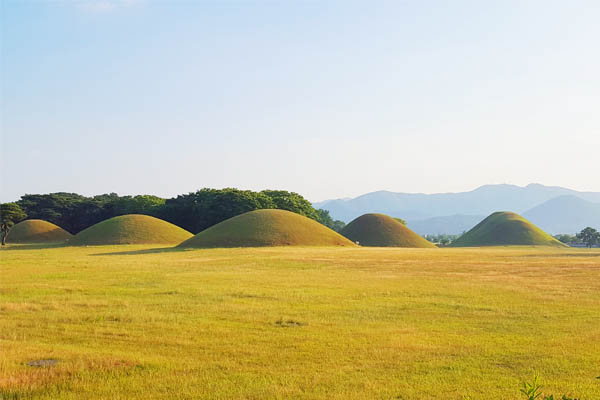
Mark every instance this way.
x=139 y=252
x=32 y=246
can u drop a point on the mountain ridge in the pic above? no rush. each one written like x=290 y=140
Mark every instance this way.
x=417 y=208
x=565 y=214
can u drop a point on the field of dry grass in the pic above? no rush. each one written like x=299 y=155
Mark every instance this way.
x=131 y=322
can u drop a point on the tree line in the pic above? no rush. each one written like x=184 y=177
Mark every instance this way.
x=443 y=239
x=588 y=237
x=194 y=211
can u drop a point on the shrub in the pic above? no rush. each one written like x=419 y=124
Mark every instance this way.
x=533 y=391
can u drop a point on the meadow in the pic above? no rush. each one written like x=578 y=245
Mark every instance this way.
x=136 y=322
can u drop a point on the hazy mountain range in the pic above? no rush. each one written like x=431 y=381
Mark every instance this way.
x=554 y=209
x=565 y=214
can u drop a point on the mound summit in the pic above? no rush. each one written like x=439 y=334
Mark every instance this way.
x=37 y=231
x=267 y=228
x=505 y=229
x=380 y=230
x=131 y=229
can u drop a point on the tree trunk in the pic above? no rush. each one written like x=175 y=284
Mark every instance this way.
x=4 y=232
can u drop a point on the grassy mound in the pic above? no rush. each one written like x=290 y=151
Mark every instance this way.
x=37 y=231
x=382 y=231
x=131 y=229
x=267 y=228
x=505 y=229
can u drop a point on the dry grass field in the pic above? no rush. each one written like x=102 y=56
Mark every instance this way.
x=132 y=322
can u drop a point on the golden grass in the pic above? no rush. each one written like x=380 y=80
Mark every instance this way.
x=133 y=322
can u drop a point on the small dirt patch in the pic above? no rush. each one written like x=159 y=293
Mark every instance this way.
x=289 y=323
x=42 y=363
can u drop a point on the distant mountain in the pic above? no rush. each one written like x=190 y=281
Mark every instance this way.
x=451 y=225
x=565 y=214
x=481 y=201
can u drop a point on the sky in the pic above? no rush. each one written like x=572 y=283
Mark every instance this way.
x=329 y=99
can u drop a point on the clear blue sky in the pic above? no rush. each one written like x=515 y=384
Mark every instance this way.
x=326 y=98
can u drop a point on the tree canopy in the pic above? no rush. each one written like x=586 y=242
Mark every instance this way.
x=403 y=222
x=568 y=239
x=201 y=209
x=589 y=236
x=324 y=218
x=74 y=212
x=10 y=214
x=194 y=211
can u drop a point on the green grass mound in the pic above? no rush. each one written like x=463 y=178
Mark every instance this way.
x=267 y=228
x=131 y=229
x=506 y=229
x=380 y=230
x=37 y=231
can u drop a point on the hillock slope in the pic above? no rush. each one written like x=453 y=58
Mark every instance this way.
x=383 y=231
x=267 y=228
x=37 y=231
x=131 y=229
x=504 y=229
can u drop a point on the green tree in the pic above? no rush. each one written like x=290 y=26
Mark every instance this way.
x=74 y=212
x=10 y=214
x=204 y=208
x=589 y=236
x=324 y=218
x=193 y=211
x=442 y=239
x=291 y=201
x=58 y=208
x=568 y=239
x=142 y=204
